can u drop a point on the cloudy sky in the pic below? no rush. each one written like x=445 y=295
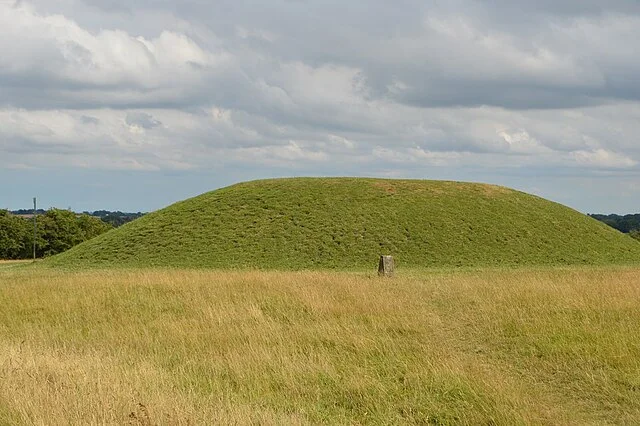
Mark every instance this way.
x=136 y=104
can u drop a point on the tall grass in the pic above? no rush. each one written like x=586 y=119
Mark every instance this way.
x=545 y=346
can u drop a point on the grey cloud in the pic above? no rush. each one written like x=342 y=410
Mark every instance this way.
x=141 y=119
x=563 y=7
x=465 y=53
x=111 y=5
x=86 y=119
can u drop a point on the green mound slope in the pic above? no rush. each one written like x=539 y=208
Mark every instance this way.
x=347 y=222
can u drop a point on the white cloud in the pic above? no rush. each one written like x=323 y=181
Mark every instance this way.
x=62 y=55
x=521 y=142
x=169 y=139
x=603 y=158
x=341 y=142
x=290 y=154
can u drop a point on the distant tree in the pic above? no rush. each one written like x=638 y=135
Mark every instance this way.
x=91 y=226
x=626 y=223
x=63 y=229
x=635 y=234
x=27 y=211
x=116 y=218
x=58 y=230
x=14 y=236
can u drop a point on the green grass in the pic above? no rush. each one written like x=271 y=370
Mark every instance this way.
x=505 y=347
x=346 y=223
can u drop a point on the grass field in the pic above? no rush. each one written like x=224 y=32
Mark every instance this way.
x=7 y=263
x=521 y=346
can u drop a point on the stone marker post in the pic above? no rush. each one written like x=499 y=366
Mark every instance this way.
x=385 y=266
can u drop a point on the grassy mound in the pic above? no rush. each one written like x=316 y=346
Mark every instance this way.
x=346 y=223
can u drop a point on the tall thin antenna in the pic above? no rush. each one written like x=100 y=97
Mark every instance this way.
x=35 y=227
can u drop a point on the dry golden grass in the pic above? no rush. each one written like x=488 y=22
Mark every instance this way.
x=547 y=346
x=13 y=262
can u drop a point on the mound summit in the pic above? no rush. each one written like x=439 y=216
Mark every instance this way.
x=345 y=223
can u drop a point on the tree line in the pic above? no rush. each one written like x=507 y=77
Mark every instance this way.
x=115 y=219
x=629 y=224
x=57 y=230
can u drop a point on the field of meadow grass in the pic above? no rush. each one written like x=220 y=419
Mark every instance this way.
x=10 y=263
x=154 y=346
